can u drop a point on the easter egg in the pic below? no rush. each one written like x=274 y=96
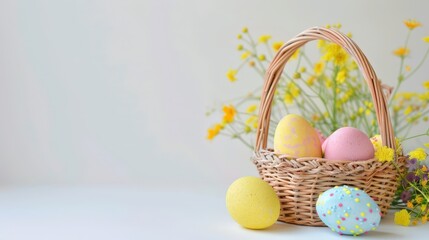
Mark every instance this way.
x=294 y=136
x=348 y=143
x=348 y=210
x=252 y=203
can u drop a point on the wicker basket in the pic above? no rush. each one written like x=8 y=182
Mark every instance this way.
x=299 y=181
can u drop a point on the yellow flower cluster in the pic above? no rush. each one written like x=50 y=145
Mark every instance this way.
x=229 y=113
x=412 y=23
x=419 y=154
x=384 y=154
x=334 y=53
x=231 y=75
x=292 y=92
x=402 y=218
x=214 y=131
x=402 y=52
x=277 y=45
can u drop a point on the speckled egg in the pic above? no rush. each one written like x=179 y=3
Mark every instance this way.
x=294 y=136
x=348 y=143
x=252 y=203
x=348 y=210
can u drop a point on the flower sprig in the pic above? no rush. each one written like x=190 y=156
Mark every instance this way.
x=328 y=91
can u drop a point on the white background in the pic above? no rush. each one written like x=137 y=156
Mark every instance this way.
x=115 y=92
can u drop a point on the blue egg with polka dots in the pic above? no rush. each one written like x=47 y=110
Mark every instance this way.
x=348 y=210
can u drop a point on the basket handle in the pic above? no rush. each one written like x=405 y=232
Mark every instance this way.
x=277 y=65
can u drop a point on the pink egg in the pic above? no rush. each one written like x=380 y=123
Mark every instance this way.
x=348 y=143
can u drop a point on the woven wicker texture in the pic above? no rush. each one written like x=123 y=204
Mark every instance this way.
x=298 y=182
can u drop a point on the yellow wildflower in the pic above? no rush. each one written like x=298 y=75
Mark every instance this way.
x=240 y=47
x=424 y=96
x=295 y=55
x=404 y=95
x=262 y=57
x=426 y=39
x=410 y=204
x=310 y=80
x=297 y=75
x=251 y=63
x=328 y=83
x=245 y=55
x=426 y=84
x=231 y=75
x=244 y=30
x=326 y=114
x=247 y=129
x=396 y=108
x=288 y=99
x=251 y=108
x=384 y=153
x=239 y=36
x=277 y=46
x=252 y=122
x=418 y=153
x=293 y=89
x=412 y=23
x=408 y=68
x=408 y=110
x=315 y=117
x=321 y=43
x=368 y=104
x=426 y=145
x=368 y=112
x=264 y=38
x=338 y=25
x=419 y=199
x=398 y=146
x=377 y=142
x=352 y=66
x=303 y=69
x=341 y=76
x=401 y=52
x=319 y=67
x=424 y=219
x=229 y=113
x=424 y=168
x=402 y=218
x=214 y=131
x=335 y=53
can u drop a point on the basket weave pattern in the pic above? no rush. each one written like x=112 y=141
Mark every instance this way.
x=299 y=181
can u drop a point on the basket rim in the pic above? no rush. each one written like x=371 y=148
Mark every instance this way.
x=316 y=165
x=270 y=151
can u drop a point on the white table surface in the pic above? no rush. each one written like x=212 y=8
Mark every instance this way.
x=113 y=212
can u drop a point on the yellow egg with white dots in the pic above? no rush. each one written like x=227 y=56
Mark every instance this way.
x=252 y=203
